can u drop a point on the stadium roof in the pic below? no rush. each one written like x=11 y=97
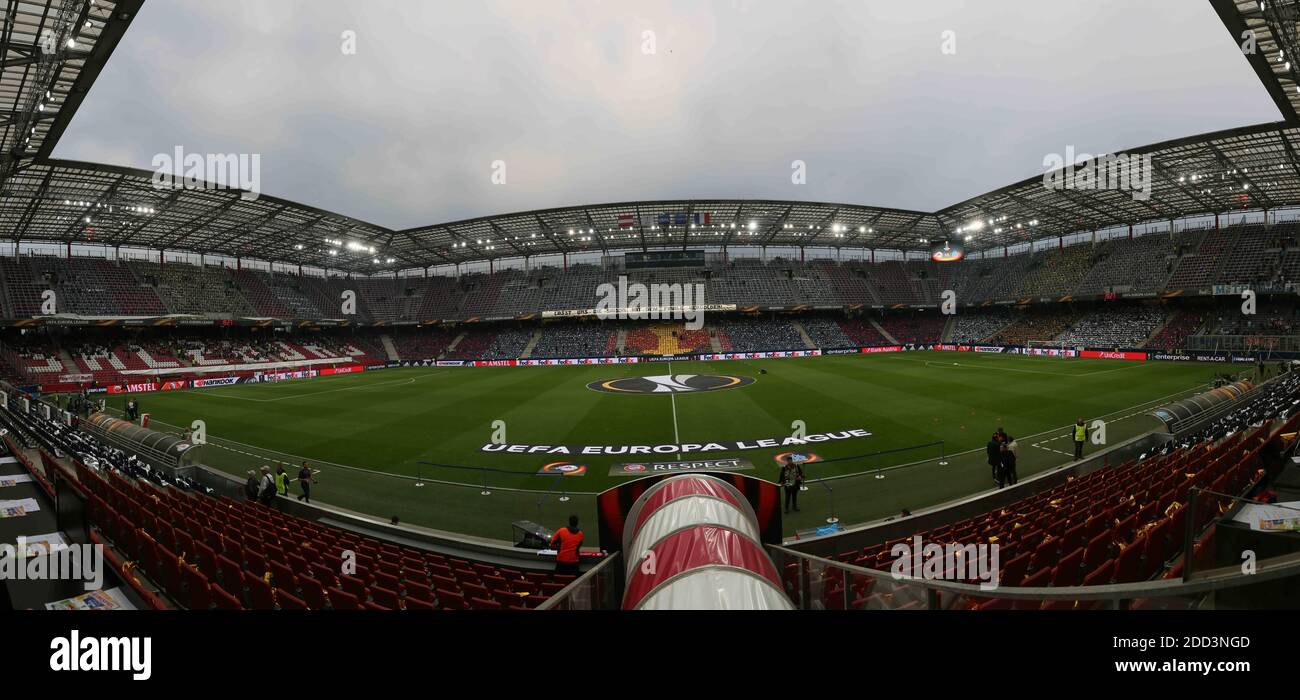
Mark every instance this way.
x=52 y=53
x=1271 y=28
x=71 y=202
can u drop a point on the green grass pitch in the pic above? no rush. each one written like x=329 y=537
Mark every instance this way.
x=368 y=433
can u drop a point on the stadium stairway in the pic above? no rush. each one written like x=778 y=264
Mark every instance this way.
x=803 y=334
x=454 y=342
x=532 y=343
x=389 y=349
x=69 y=363
x=948 y=329
x=1155 y=332
x=881 y=329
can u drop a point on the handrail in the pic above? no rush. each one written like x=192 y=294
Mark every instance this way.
x=1220 y=578
x=564 y=593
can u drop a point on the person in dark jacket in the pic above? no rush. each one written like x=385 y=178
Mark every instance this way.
x=1008 y=475
x=252 y=486
x=791 y=479
x=994 y=451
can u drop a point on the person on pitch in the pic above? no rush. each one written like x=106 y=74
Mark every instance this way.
x=305 y=479
x=1080 y=435
x=1008 y=475
x=791 y=479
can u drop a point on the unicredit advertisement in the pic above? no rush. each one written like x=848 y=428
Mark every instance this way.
x=1112 y=355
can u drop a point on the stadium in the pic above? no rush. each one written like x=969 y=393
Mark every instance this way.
x=1077 y=388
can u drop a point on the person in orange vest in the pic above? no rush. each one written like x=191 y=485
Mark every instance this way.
x=569 y=541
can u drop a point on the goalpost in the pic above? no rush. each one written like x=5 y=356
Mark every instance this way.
x=1050 y=344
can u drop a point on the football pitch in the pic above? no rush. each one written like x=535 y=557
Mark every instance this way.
x=377 y=436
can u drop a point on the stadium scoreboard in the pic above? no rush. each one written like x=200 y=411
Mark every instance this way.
x=666 y=258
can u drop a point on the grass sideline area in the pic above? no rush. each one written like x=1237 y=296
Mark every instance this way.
x=368 y=433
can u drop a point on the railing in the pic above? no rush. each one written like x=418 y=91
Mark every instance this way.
x=600 y=588
x=810 y=589
x=1257 y=342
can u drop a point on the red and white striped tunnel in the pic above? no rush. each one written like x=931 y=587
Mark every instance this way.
x=693 y=544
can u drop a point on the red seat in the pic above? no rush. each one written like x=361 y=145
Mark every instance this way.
x=1128 y=565
x=484 y=604
x=232 y=576
x=224 y=600
x=1098 y=551
x=355 y=586
x=260 y=595
x=198 y=593
x=451 y=600
x=313 y=592
x=1069 y=571
x=289 y=601
x=386 y=597
x=416 y=604
x=342 y=600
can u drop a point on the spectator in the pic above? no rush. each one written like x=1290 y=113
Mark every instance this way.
x=1008 y=476
x=306 y=477
x=569 y=541
x=250 y=487
x=267 y=489
x=993 y=450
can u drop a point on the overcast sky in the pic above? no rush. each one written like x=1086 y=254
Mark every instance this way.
x=404 y=132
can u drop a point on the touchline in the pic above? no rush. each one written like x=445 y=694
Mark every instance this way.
x=77 y=653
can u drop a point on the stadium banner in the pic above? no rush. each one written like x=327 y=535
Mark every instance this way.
x=1050 y=352
x=133 y=388
x=730 y=464
x=1169 y=357
x=1235 y=290
x=174 y=384
x=1112 y=355
x=262 y=378
x=346 y=369
x=450 y=363
x=883 y=348
x=74 y=378
x=841 y=351
x=215 y=381
x=987 y=348
x=684 y=448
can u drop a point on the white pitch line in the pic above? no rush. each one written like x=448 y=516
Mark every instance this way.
x=934 y=363
x=411 y=380
x=673 y=395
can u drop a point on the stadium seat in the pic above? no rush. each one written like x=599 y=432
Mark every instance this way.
x=342 y=600
x=260 y=594
x=386 y=597
x=225 y=601
x=289 y=601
